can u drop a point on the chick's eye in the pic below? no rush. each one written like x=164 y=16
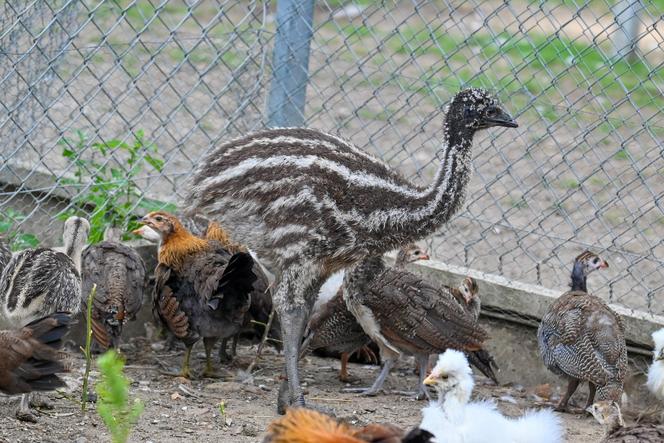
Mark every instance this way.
x=416 y=252
x=444 y=376
x=158 y=218
x=595 y=260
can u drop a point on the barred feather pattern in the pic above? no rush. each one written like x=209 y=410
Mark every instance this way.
x=582 y=338
x=405 y=314
x=5 y=254
x=120 y=275
x=38 y=282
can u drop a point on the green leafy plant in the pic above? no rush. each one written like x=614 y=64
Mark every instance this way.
x=16 y=240
x=113 y=404
x=109 y=192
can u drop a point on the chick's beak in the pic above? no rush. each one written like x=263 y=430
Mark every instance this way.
x=144 y=220
x=604 y=264
x=424 y=257
x=430 y=380
x=502 y=118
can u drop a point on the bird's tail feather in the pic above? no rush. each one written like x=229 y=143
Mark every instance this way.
x=483 y=361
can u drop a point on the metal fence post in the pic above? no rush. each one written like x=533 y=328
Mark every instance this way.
x=627 y=18
x=290 y=63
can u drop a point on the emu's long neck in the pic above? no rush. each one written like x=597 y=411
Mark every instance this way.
x=445 y=196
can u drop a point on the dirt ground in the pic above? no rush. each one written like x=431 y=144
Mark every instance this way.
x=182 y=410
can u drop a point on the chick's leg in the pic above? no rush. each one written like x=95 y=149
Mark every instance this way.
x=343 y=372
x=571 y=387
x=24 y=413
x=423 y=363
x=209 y=371
x=186 y=371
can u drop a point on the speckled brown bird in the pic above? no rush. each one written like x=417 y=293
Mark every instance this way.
x=405 y=314
x=120 y=275
x=335 y=328
x=30 y=358
x=607 y=413
x=582 y=339
x=201 y=290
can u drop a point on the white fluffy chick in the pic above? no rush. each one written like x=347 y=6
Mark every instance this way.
x=656 y=371
x=454 y=419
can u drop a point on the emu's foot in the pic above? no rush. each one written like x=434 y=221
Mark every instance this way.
x=40 y=401
x=365 y=392
x=26 y=415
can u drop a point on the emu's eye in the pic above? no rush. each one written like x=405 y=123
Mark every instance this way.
x=492 y=112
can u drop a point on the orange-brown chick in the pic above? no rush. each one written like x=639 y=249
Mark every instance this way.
x=301 y=425
x=201 y=290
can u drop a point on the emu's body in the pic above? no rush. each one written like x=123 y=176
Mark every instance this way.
x=310 y=203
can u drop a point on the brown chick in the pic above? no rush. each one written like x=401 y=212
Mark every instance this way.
x=120 y=275
x=30 y=357
x=405 y=314
x=334 y=327
x=301 y=425
x=581 y=338
x=201 y=290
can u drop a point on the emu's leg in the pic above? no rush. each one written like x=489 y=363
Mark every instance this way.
x=295 y=297
x=236 y=337
x=571 y=387
x=24 y=413
x=223 y=355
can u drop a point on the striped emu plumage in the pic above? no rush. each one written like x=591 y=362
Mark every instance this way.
x=309 y=203
x=582 y=339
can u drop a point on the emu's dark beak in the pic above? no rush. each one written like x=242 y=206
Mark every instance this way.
x=502 y=119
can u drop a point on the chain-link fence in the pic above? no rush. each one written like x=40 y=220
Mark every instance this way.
x=110 y=104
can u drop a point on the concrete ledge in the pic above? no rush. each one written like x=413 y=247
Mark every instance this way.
x=526 y=304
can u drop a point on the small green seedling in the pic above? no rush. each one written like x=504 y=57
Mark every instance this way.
x=113 y=404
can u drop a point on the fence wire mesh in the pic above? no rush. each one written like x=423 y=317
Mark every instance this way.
x=117 y=100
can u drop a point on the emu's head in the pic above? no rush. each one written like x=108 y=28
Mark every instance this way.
x=477 y=109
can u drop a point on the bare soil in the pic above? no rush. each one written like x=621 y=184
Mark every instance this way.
x=181 y=410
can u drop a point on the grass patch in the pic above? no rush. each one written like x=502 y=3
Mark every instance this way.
x=517 y=62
